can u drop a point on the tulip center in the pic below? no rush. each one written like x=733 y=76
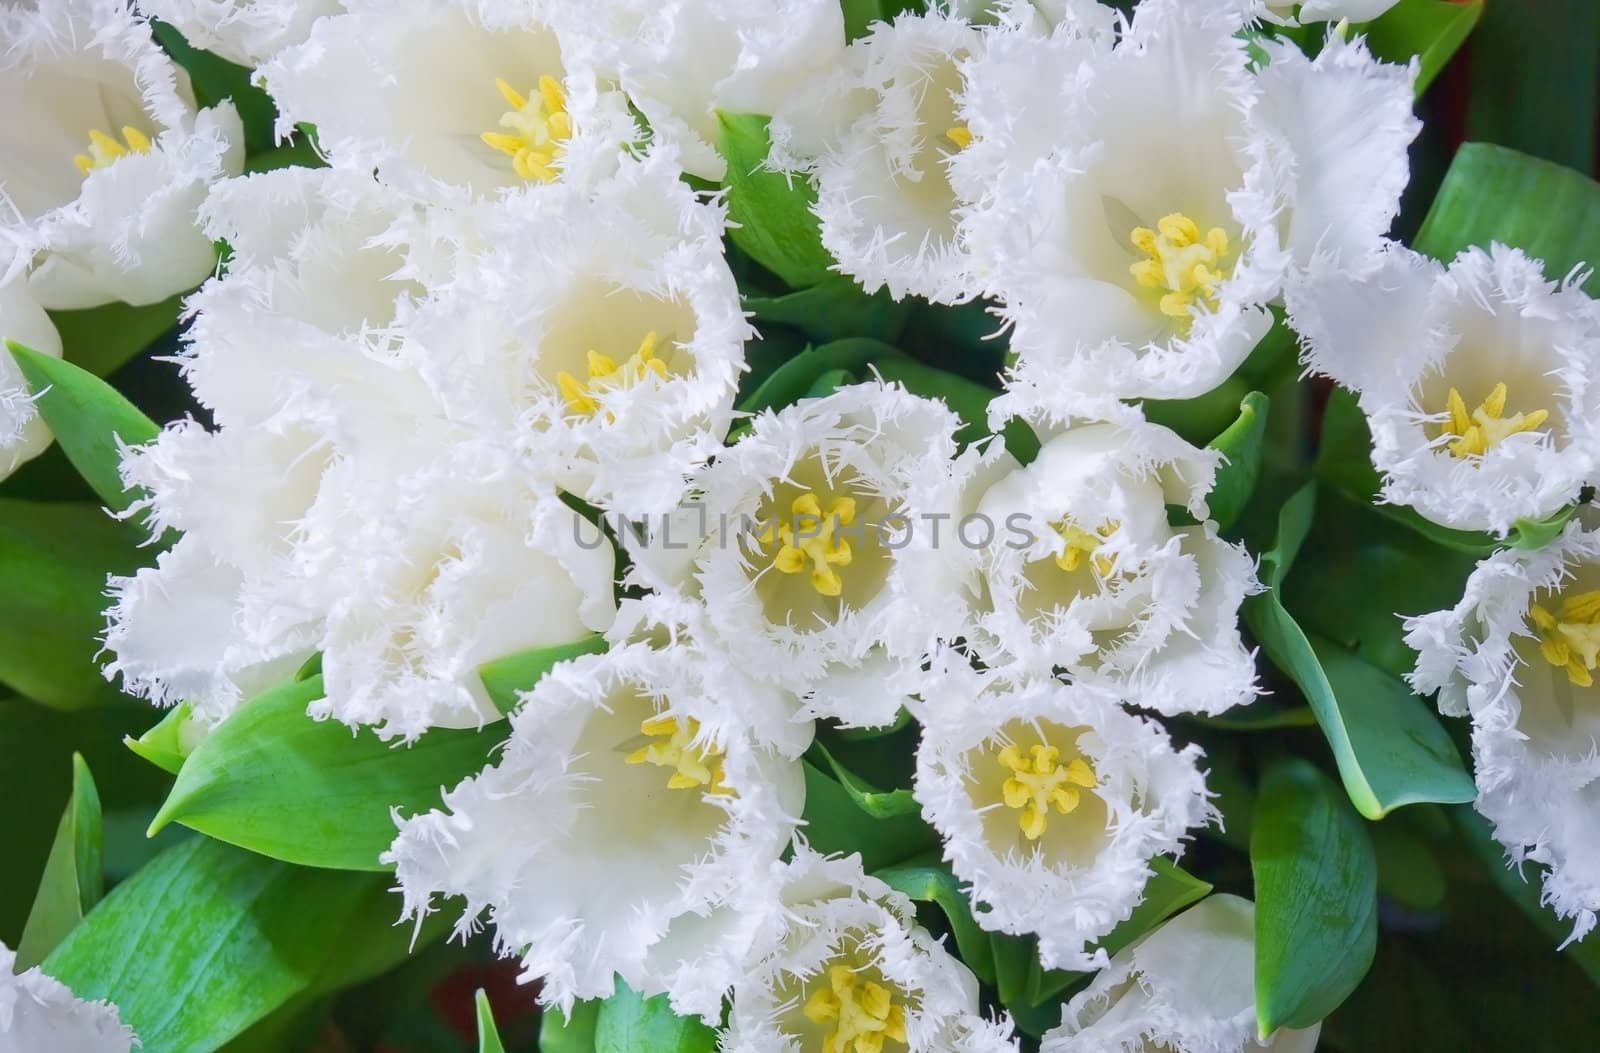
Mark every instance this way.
x=1081 y=543
x=863 y=1013
x=959 y=135
x=104 y=150
x=536 y=129
x=810 y=539
x=1039 y=782
x=693 y=766
x=1180 y=263
x=1569 y=637
x=1476 y=432
x=605 y=374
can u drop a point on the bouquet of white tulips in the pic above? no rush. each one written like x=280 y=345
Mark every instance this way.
x=798 y=526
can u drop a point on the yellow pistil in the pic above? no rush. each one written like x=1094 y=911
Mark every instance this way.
x=606 y=375
x=1040 y=782
x=1081 y=543
x=864 y=1014
x=1181 y=263
x=103 y=149
x=1570 y=639
x=810 y=538
x=961 y=135
x=536 y=129
x=1487 y=424
x=692 y=766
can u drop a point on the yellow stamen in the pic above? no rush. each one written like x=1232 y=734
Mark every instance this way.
x=1039 y=782
x=864 y=1013
x=809 y=539
x=692 y=766
x=582 y=396
x=1570 y=637
x=961 y=135
x=104 y=150
x=1476 y=432
x=537 y=129
x=1181 y=263
x=1081 y=543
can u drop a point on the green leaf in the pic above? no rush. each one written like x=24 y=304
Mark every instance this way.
x=1170 y=889
x=575 y=1034
x=1431 y=30
x=1532 y=83
x=1408 y=872
x=88 y=417
x=54 y=558
x=1391 y=751
x=627 y=1023
x=275 y=781
x=100 y=339
x=770 y=212
x=488 y=1036
x=835 y=823
x=163 y=745
x=215 y=78
x=1492 y=193
x=1316 y=898
x=1240 y=444
x=72 y=881
x=833 y=309
x=934 y=883
x=880 y=804
x=504 y=677
x=790 y=381
x=206 y=940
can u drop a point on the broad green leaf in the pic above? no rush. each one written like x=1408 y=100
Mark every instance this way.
x=1532 y=83
x=73 y=880
x=880 y=804
x=504 y=677
x=769 y=212
x=1170 y=889
x=627 y=1023
x=275 y=781
x=1316 y=898
x=100 y=339
x=1492 y=193
x=1201 y=419
x=1391 y=751
x=934 y=883
x=88 y=417
x=163 y=744
x=54 y=558
x=1240 y=445
x=207 y=939
x=834 y=309
x=835 y=823
x=1344 y=462
x=37 y=744
x=488 y=1036
x=1359 y=572
x=1431 y=30
x=559 y=1033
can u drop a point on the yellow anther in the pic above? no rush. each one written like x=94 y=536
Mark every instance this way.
x=1477 y=431
x=1040 y=782
x=692 y=766
x=583 y=396
x=1081 y=543
x=1569 y=638
x=1181 y=262
x=810 y=538
x=863 y=1013
x=961 y=135
x=536 y=129
x=103 y=149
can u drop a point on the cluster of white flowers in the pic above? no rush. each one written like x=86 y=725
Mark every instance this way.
x=503 y=308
